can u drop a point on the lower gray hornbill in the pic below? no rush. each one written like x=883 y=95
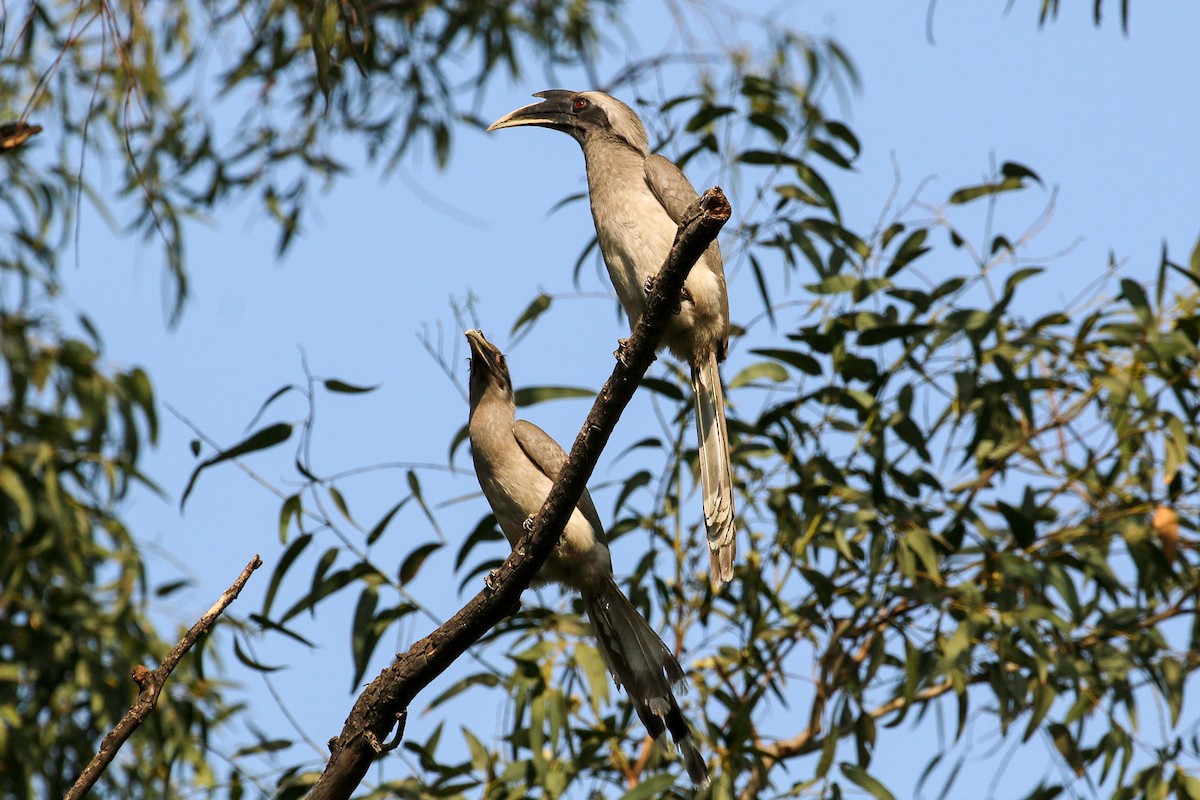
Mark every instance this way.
x=638 y=200
x=516 y=463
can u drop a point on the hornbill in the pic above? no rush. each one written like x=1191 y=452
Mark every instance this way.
x=516 y=463
x=638 y=200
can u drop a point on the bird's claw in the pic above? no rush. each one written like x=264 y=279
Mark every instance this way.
x=620 y=352
x=652 y=283
x=527 y=525
x=684 y=297
x=490 y=581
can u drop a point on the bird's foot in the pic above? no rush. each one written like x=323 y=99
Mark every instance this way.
x=652 y=283
x=491 y=582
x=527 y=525
x=620 y=352
x=684 y=297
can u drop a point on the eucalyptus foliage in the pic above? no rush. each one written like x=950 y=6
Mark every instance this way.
x=968 y=511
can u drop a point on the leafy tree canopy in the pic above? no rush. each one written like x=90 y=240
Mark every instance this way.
x=957 y=510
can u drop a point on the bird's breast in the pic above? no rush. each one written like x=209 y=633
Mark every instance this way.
x=634 y=234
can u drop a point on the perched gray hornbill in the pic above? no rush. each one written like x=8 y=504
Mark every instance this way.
x=638 y=200
x=516 y=463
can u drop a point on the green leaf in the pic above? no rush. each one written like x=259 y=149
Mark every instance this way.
x=839 y=131
x=1019 y=525
x=243 y=657
x=268 y=625
x=633 y=483
x=269 y=436
x=881 y=334
x=380 y=526
x=1017 y=277
x=323 y=586
x=766 y=158
x=481 y=757
x=591 y=662
x=859 y=777
x=706 y=115
x=463 y=434
x=1133 y=291
x=760 y=280
x=414 y=560
x=539 y=306
x=1187 y=787
x=285 y=562
x=340 y=501
x=835 y=284
x=485 y=531
x=769 y=123
x=1173 y=677
x=1066 y=745
x=291 y=508
x=484 y=679
x=12 y=485
x=334 y=385
x=1043 y=698
x=922 y=545
x=1175 y=447
x=171 y=587
x=765 y=370
x=275 y=395
x=657 y=786
x=667 y=389
x=969 y=193
x=1011 y=169
x=532 y=395
x=266 y=746
x=801 y=361
x=363 y=633
x=414 y=485
x=912 y=248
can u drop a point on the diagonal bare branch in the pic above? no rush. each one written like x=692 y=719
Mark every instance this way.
x=386 y=698
x=151 y=683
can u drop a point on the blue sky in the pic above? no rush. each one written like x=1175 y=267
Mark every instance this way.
x=1109 y=121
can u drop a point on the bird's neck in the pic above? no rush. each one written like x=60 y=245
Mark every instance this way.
x=603 y=154
x=491 y=424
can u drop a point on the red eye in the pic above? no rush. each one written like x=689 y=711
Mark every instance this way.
x=580 y=104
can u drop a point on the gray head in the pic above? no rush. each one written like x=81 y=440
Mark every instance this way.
x=586 y=116
x=489 y=371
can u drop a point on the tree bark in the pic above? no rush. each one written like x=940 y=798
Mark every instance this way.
x=151 y=683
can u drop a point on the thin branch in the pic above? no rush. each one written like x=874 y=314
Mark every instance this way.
x=377 y=709
x=151 y=683
x=810 y=739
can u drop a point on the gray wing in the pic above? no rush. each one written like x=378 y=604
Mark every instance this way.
x=675 y=192
x=548 y=456
x=670 y=186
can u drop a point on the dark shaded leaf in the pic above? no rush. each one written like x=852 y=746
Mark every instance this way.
x=801 y=361
x=269 y=436
x=539 y=306
x=532 y=395
x=859 y=777
x=334 y=385
x=412 y=563
x=243 y=657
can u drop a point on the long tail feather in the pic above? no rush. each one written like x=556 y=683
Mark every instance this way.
x=645 y=668
x=716 y=473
